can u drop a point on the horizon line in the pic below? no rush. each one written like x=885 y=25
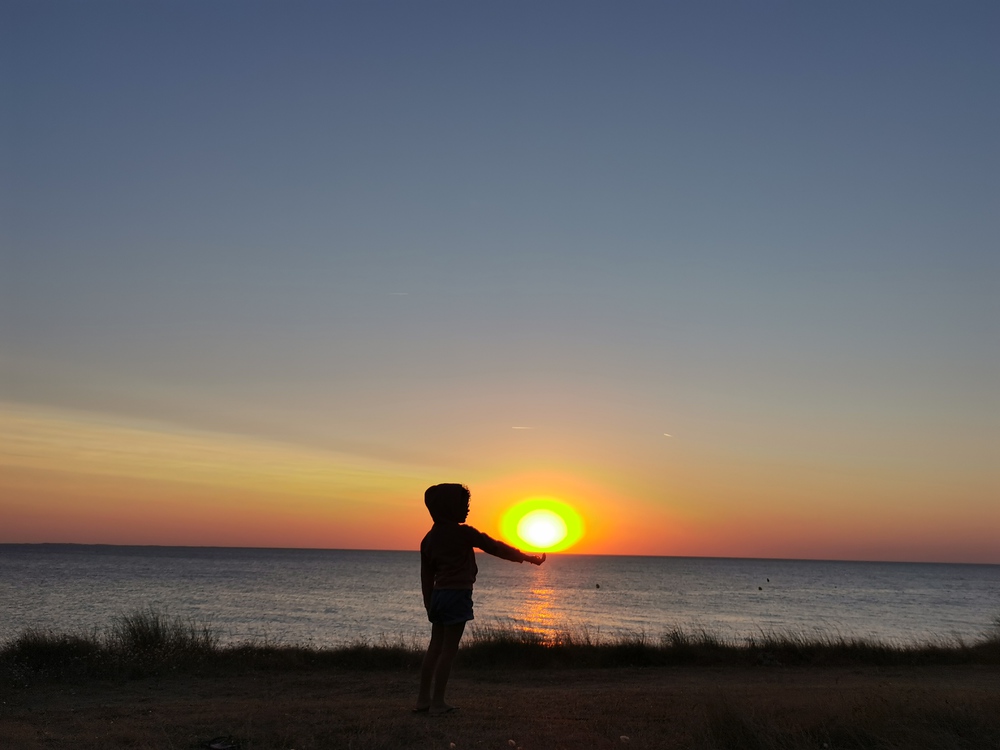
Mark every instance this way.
x=576 y=554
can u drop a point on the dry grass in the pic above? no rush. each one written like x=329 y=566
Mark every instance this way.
x=508 y=644
x=146 y=643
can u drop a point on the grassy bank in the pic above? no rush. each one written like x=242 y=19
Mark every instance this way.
x=152 y=681
x=151 y=643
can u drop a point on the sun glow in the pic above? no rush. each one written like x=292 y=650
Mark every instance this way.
x=542 y=524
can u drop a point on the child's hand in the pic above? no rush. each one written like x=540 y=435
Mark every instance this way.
x=535 y=559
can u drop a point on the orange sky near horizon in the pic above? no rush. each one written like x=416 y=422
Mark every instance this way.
x=85 y=478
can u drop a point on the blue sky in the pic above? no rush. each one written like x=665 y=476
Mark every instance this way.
x=769 y=230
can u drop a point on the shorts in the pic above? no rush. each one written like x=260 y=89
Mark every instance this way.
x=450 y=606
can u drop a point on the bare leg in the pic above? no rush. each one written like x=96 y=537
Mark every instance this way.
x=427 y=669
x=452 y=635
x=437 y=666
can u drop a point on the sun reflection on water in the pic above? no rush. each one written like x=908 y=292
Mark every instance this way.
x=535 y=614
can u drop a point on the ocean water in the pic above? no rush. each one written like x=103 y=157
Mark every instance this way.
x=331 y=597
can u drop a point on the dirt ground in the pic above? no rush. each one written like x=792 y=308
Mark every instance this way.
x=533 y=709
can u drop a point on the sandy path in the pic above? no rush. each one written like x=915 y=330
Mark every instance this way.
x=653 y=708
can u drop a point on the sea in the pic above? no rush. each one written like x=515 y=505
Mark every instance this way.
x=336 y=597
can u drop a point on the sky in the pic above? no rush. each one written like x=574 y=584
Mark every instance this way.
x=721 y=276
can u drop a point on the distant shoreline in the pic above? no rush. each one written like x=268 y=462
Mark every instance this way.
x=83 y=546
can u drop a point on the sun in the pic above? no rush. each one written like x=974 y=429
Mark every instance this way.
x=541 y=528
x=542 y=524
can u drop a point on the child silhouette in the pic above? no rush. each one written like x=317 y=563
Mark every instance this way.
x=447 y=573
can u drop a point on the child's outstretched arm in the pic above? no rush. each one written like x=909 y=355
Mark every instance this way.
x=494 y=547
